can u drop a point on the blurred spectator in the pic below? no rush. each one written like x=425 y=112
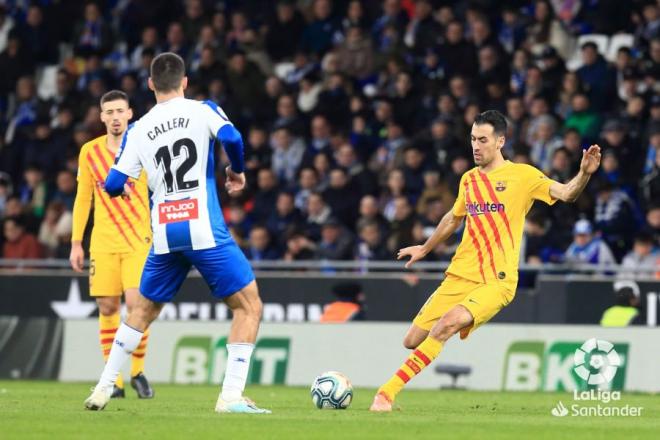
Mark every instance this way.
x=370 y=246
x=582 y=118
x=55 y=229
x=6 y=190
x=283 y=32
x=587 y=248
x=66 y=189
x=546 y=30
x=266 y=195
x=92 y=34
x=347 y=306
x=318 y=212
x=287 y=154
x=299 y=247
x=643 y=260
x=318 y=35
x=284 y=217
x=18 y=243
x=653 y=221
x=336 y=242
x=34 y=192
x=615 y=218
x=597 y=76
x=540 y=246
x=259 y=246
x=6 y=25
x=341 y=197
x=401 y=225
x=545 y=142
x=37 y=36
x=355 y=54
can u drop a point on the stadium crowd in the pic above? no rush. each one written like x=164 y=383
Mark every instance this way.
x=355 y=115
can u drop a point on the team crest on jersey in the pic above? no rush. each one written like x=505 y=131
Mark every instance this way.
x=500 y=186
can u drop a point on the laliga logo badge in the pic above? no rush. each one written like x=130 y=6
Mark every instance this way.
x=500 y=186
x=602 y=364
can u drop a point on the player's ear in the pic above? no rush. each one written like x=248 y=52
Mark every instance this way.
x=150 y=84
x=500 y=141
x=130 y=113
x=184 y=83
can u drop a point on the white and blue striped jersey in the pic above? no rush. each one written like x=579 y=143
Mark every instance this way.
x=173 y=143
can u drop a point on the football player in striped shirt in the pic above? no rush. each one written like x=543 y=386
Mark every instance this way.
x=494 y=198
x=174 y=144
x=121 y=235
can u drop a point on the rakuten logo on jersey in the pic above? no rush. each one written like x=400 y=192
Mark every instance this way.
x=475 y=208
x=177 y=211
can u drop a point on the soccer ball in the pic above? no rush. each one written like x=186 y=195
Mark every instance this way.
x=332 y=390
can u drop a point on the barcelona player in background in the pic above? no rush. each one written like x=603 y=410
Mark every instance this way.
x=121 y=236
x=481 y=279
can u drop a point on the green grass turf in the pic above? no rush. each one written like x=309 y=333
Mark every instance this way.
x=55 y=411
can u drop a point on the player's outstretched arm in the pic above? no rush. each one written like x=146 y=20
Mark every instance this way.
x=443 y=231
x=570 y=191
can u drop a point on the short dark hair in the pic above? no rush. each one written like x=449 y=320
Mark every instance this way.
x=167 y=70
x=114 y=95
x=493 y=118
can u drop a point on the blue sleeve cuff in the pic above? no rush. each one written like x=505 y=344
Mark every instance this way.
x=114 y=183
x=232 y=142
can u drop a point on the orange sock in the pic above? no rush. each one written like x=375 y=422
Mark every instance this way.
x=108 y=325
x=421 y=357
x=137 y=359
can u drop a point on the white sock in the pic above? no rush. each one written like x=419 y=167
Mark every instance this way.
x=126 y=341
x=238 y=364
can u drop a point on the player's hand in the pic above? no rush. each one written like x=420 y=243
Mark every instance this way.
x=235 y=181
x=590 y=160
x=126 y=195
x=414 y=252
x=77 y=257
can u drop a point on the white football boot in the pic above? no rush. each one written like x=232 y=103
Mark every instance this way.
x=99 y=398
x=242 y=405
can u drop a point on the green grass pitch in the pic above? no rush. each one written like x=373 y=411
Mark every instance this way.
x=50 y=410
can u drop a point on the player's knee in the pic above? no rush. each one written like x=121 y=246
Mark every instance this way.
x=410 y=343
x=107 y=307
x=446 y=327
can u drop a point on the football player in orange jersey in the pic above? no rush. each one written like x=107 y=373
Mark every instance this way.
x=121 y=236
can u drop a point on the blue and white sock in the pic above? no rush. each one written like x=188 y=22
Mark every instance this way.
x=238 y=364
x=126 y=341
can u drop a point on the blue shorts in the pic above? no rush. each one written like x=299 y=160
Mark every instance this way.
x=224 y=268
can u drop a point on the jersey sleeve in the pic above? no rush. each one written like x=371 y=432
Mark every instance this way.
x=539 y=185
x=127 y=160
x=459 y=205
x=83 y=202
x=215 y=117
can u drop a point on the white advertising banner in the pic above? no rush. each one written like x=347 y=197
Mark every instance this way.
x=499 y=356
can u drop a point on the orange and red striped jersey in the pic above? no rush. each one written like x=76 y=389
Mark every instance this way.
x=495 y=205
x=121 y=224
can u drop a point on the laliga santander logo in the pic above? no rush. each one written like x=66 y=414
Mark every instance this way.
x=596 y=361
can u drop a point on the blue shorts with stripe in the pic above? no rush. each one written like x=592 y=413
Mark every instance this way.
x=224 y=268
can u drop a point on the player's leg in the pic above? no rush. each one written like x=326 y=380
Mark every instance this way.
x=414 y=336
x=439 y=305
x=477 y=307
x=161 y=279
x=131 y=267
x=105 y=286
x=230 y=277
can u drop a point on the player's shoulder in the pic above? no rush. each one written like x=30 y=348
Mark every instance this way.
x=525 y=169
x=84 y=150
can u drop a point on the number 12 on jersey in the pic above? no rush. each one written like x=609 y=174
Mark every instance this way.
x=163 y=157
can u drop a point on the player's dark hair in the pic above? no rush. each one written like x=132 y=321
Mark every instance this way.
x=167 y=70
x=494 y=119
x=114 y=95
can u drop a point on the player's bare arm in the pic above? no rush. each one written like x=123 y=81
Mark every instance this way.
x=569 y=192
x=447 y=226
